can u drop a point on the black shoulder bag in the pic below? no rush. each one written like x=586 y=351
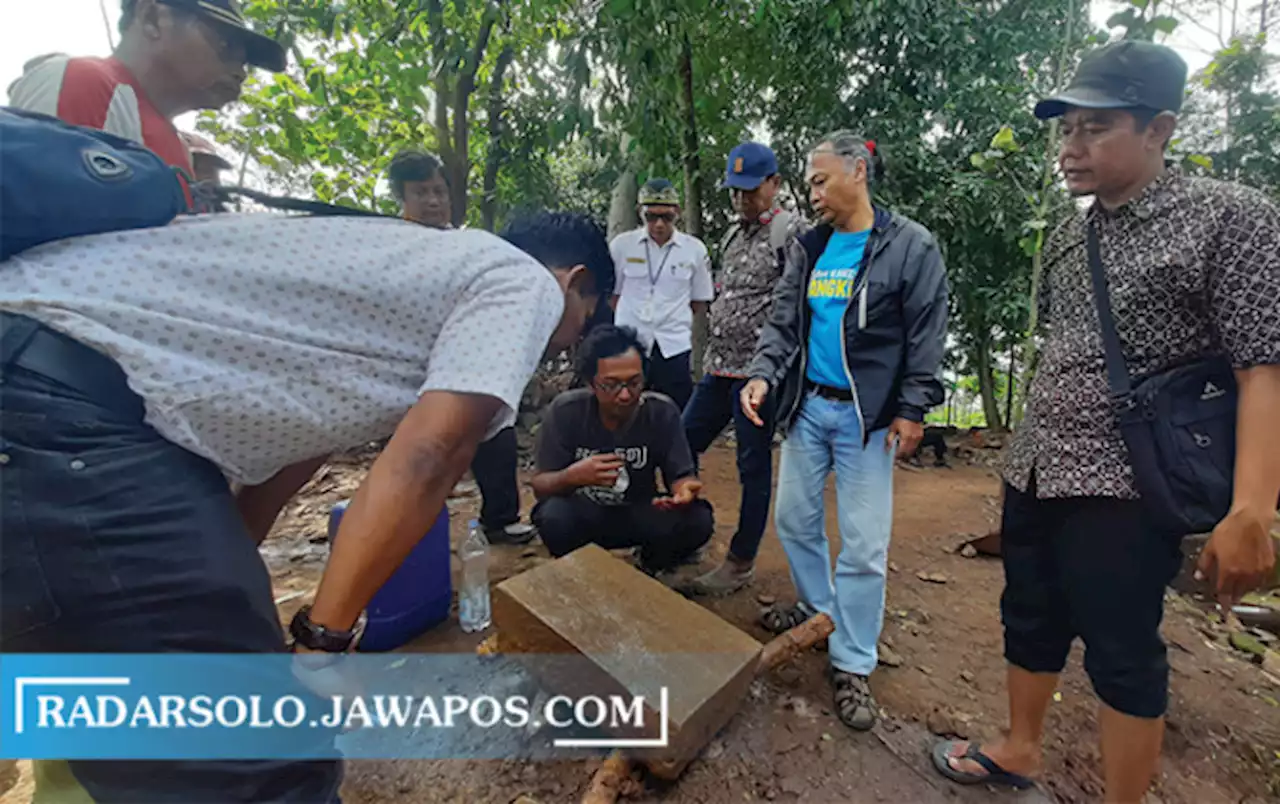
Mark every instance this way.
x=1178 y=424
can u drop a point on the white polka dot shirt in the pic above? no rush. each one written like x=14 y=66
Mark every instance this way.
x=262 y=340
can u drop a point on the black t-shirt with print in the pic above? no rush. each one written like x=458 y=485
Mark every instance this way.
x=571 y=430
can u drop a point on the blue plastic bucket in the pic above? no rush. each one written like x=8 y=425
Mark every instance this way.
x=417 y=597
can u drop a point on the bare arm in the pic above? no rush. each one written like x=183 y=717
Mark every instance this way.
x=1257 y=479
x=552 y=484
x=699 y=307
x=1241 y=546
x=404 y=493
x=260 y=505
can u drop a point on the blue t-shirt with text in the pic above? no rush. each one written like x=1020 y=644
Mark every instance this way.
x=829 y=291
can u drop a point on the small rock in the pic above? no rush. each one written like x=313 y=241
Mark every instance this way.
x=888 y=657
x=966 y=676
x=928 y=671
x=969 y=551
x=766 y=600
x=789 y=676
x=826 y=738
x=931 y=577
x=404 y=788
x=770 y=795
x=888 y=641
x=893 y=566
x=947 y=724
x=529 y=552
x=792 y=786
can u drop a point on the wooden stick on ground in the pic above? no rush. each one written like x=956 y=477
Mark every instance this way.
x=609 y=781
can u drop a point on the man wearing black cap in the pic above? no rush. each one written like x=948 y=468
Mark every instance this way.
x=752 y=259
x=174 y=56
x=1191 y=270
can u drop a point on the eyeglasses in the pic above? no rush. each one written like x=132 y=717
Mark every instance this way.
x=614 y=387
x=654 y=217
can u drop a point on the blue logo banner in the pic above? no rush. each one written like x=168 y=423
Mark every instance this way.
x=317 y=706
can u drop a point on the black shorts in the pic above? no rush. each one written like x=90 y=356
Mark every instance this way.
x=1096 y=568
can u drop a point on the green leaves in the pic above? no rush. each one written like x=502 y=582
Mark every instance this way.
x=1004 y=140
x=1201 y=160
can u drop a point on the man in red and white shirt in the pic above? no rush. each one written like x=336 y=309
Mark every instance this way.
x=174 y=56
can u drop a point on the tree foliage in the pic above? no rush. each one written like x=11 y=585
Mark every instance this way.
x=550 y=103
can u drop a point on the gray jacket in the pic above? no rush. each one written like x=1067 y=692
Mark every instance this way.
x=894 y=327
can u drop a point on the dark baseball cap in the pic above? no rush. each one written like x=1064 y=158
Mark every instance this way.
x=263 y=51
x=1122 y=75
x=749 y=165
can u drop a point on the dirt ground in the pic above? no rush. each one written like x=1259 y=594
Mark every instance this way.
x=1223 y=742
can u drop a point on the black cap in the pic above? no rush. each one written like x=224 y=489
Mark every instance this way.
x=1122 y=75
x=263 y=51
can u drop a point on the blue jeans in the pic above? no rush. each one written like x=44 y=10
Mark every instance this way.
x=826 y=435
x=713 y=406
x=116 y=540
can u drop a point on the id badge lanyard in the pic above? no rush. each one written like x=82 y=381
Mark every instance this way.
x=647 y=309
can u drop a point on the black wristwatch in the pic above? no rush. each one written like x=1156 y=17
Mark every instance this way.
x=316 y=637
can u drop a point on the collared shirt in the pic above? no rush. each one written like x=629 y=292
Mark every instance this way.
x=1193 y=267
x=656 y=284
x=258 y=341
x=749 y=270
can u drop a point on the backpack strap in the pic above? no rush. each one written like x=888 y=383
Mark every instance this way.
x=727 y=239
x=226 y=194
x=778 y=228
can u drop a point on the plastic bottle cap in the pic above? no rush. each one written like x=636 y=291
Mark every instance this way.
x=473 y=524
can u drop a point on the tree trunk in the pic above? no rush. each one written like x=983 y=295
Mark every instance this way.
x=987 y=385
x=497 y=144
x=692 y=175
x=692 y=189
x=623 y=200
x=1010 y=382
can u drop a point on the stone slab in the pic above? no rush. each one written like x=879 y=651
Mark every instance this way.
x=636 y=636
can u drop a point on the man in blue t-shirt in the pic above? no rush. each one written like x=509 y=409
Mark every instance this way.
x=854 y=344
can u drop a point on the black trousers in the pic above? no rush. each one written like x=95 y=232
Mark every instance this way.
x=671 y=375
x=664 y=537
x=116 y=540
x=494 y=468
x=1096 y=568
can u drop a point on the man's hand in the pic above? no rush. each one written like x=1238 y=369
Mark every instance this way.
x=595 y=470
x=909 y=435
x=1242 y=550
x=684 y=493
x=752 y=397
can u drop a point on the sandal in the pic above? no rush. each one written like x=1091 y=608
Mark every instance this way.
x=855 y=705
x=994 y=773
x=778 y=619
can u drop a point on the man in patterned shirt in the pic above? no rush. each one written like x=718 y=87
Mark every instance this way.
x=751 y=265
x=1193 y=267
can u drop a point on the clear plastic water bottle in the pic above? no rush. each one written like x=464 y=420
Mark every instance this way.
x=473 y=593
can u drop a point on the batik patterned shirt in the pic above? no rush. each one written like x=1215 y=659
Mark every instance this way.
x=1193 y=267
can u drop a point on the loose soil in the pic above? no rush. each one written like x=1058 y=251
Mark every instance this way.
x=1222 y=745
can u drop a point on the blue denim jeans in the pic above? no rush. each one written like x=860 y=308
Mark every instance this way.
x=714 y=404
x=116 y=540
x=827 y=436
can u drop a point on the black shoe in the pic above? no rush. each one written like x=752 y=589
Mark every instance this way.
x=515 y=533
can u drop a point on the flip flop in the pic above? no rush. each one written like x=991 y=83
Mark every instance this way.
x=994 y=773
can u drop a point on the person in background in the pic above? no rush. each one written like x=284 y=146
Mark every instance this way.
x=127 y=401
x=1193 y=269
x=419 y=183
x=206 y=163
x=752 y=261
x=174 y=56
x=663 y=279
x=854 y=342
x=598 y=453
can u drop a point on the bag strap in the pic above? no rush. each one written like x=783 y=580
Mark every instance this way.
x=226 y=194
x=1117 y=371
x=778 y=230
